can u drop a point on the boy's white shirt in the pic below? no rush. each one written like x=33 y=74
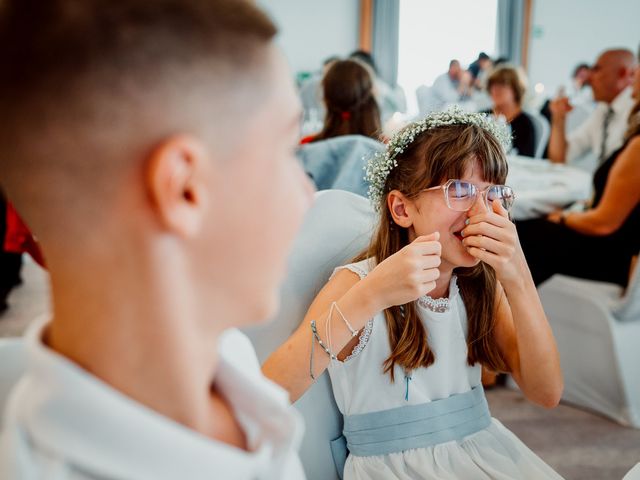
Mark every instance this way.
x=63 y=423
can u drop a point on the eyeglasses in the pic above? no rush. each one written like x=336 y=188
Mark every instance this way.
x=460 y=195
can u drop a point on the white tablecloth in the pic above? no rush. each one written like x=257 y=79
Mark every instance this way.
x=542 y=187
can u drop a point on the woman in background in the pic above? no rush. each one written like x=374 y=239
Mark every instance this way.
x=507 y=89
x=349 y=97
x=601 y=242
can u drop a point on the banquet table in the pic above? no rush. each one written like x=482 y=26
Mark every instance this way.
x=542 y=187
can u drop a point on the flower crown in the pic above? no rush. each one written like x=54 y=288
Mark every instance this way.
x=380 y=164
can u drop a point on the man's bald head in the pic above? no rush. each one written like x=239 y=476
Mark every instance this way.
x=612 y=73
x=91 y=86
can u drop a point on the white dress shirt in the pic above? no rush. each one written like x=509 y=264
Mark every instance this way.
x=445 y=90
x=588 y=136
x=63 y=423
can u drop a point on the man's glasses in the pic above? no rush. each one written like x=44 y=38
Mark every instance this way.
x=460 y=195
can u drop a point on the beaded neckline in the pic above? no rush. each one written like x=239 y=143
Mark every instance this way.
x=440 y=305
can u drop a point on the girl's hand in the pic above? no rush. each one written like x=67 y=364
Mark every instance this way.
x=407 y=274
x=492 y=238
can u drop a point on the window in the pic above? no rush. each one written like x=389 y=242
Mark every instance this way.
x=433 y=32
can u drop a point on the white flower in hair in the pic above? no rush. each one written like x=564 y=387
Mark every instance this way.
x=380 y=165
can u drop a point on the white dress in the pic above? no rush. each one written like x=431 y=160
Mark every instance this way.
x=360 y=386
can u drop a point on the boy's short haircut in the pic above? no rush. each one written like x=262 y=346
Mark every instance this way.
x=81 y=66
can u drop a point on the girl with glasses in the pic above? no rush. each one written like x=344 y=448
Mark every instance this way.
x=442 y=290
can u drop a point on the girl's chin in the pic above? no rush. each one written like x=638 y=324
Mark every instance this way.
x=464 y=260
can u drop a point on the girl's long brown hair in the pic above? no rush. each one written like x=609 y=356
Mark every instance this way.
x=351 y=105
x=432 y=158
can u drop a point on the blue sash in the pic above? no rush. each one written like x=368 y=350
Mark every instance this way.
x=411 y=426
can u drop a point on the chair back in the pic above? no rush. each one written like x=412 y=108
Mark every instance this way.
x=13 y=361
x=337 y=227
x=628 y=310
x=542 y=132
x=338 y=163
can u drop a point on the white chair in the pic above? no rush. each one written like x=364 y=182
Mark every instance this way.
x=338 y=163
x=597 y=327
x=542 y=132
x=633 y=474
x=338 y=227
x=12 y=365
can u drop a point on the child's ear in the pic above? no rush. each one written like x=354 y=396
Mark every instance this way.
x=175 y=177
x=397 y=203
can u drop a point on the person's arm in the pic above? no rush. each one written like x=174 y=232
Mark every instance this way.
x=289 y=365
x=522 y=331
x=401 y=278
x=621 y=195
x=557 y=150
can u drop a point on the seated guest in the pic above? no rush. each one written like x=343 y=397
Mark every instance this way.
x=479 y=68
x=507 y=89
x=145 y=143
x=390 y=99
x=311 y=89
x=452 y=86
x=580 y=89
x=603 y=131
x=600 y=242
x=350 y=102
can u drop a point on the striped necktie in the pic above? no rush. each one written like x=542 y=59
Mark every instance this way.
x=605 y=132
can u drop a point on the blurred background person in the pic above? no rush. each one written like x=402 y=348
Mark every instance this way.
x=479 y=70
x=453 y=86
x=390 y=99
x=350 y=103
x=507 y=88
x=310 y=91
x=600 y=242
x=603 y=131
x=580 y=87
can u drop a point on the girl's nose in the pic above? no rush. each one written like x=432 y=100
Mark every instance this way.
x=479 y=206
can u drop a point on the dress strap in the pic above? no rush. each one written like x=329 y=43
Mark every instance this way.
x=360 y=268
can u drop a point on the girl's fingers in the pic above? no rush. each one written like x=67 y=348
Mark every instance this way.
x=430 y=275
x=429 y=261
x=428 y=248
x=490 y=217
x=488 y=244
x=485 y=256
x=486 y=229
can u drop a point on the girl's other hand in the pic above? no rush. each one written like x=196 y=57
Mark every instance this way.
x=408 y=274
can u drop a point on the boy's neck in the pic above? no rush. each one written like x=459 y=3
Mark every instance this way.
x=142 y=336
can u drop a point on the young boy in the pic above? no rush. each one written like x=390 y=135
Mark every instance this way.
x=149 y=145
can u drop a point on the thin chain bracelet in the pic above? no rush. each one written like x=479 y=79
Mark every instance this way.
x=314 y=334
x=354 y=333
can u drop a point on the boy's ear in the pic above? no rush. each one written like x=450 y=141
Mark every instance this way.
x=397 y=203
x=175 y=177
